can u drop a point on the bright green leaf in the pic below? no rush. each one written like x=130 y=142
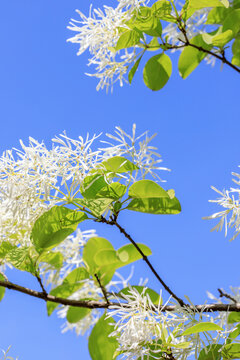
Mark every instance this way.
x=128 y=253
x=128 y=39
x=71 y=283
x=231 y=351
x=92 y=184
x=234 y=334
x=236 y=52
x=54 y=226
x=22 y=259
x=200 y=4
x=2 y=289
x=191 y=57
x=148 y=23
x=5 y=247
x=223 y=38
x=201 y=327
x=211 y=352
x=118 y=164
x=133 y=70
x=233 y=317
x=162 y=10
x=96 y=206
x=232 y=22
x=94 y=245
x=76 y=314
x=158 y=206
x=113 y=191
x=217 y=15
x=101 y=345
x=157 y=71
x=53 y=258
x=146 y=189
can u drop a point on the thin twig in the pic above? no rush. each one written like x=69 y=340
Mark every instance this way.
x=40 y=283
x=102 y=288
x=91 y=304
x=113 y=221
x=223 y=294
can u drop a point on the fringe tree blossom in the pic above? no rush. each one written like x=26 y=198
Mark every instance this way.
x=230 y=216
x=99 y=34
x=34 y=179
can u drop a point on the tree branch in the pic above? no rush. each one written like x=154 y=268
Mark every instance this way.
x=91 y=304
x=113 y=221
x=102 y=288
x=223 y=294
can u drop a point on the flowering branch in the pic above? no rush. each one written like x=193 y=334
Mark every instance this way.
x=91 y=304
x=114 y=222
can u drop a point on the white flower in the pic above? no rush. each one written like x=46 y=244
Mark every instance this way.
x=99 y=34
x=230 y=216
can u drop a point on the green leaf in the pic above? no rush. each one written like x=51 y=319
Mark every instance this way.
x=157 y=71
x=158 y=206
x=234 y=334
x=123 y=256
x=133 y=70
x=128 y=39
x=2 y=289
x=148 y=23
x=218 y=15
x=232 y=22
x=76 y=314
x=54 y=226
x=201 y=327
x=113 y=191
x=101 y=345
x=52 y=258
x=211 y=352
x=94 y=245
x=223 y=38
x=146 y=189
x=118 y=164
x=231 y=351
x=234 y=317
x=200 y=4
x=155 y=297
x=5 y=247
x=162 y=10
x=236 y=52
x=128 y=253
x=23 y=259
x=153 y=45
x=71 y=283
x=190 y=57
x=96 y=206
x=92 y=184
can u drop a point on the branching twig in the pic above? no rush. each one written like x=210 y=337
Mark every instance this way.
x=102 y=288
x=145 y=258
x=91 y=304
x=40 y=283
x=223 y=294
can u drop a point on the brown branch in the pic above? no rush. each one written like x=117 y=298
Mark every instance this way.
x=40 y=283
x=91 y=304
x=102 y=288
x=223 y=294
x=113 y=221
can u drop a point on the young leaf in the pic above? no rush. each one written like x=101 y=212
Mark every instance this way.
x=76 y=314
x=23 y=259
x=54 y=226
x=91 y=248
x=157 y=71
x=232 y=22
x=236 y=52
x=113 y=191
x=2 y=289
x=147 y=23
x=53 y=258
x=191 y=57
x=158 y=206
x=211 y=352
x=128 y=39
x=101 y=345
x=201 y=327
x=133 y=70
x=128 y=253
x=96 y=206
x=92 y=184
x=162 y=10
x=118 y=164
x=233 y=317
x=146 y=189
x=231 y=351
x=200 y=4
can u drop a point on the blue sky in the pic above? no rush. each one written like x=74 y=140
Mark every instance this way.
x=43 y=91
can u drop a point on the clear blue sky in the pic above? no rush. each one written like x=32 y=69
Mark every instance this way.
x=43 y=91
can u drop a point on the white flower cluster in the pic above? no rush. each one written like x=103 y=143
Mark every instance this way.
x=99 y=34
x=229 y=200
x=35 y=179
